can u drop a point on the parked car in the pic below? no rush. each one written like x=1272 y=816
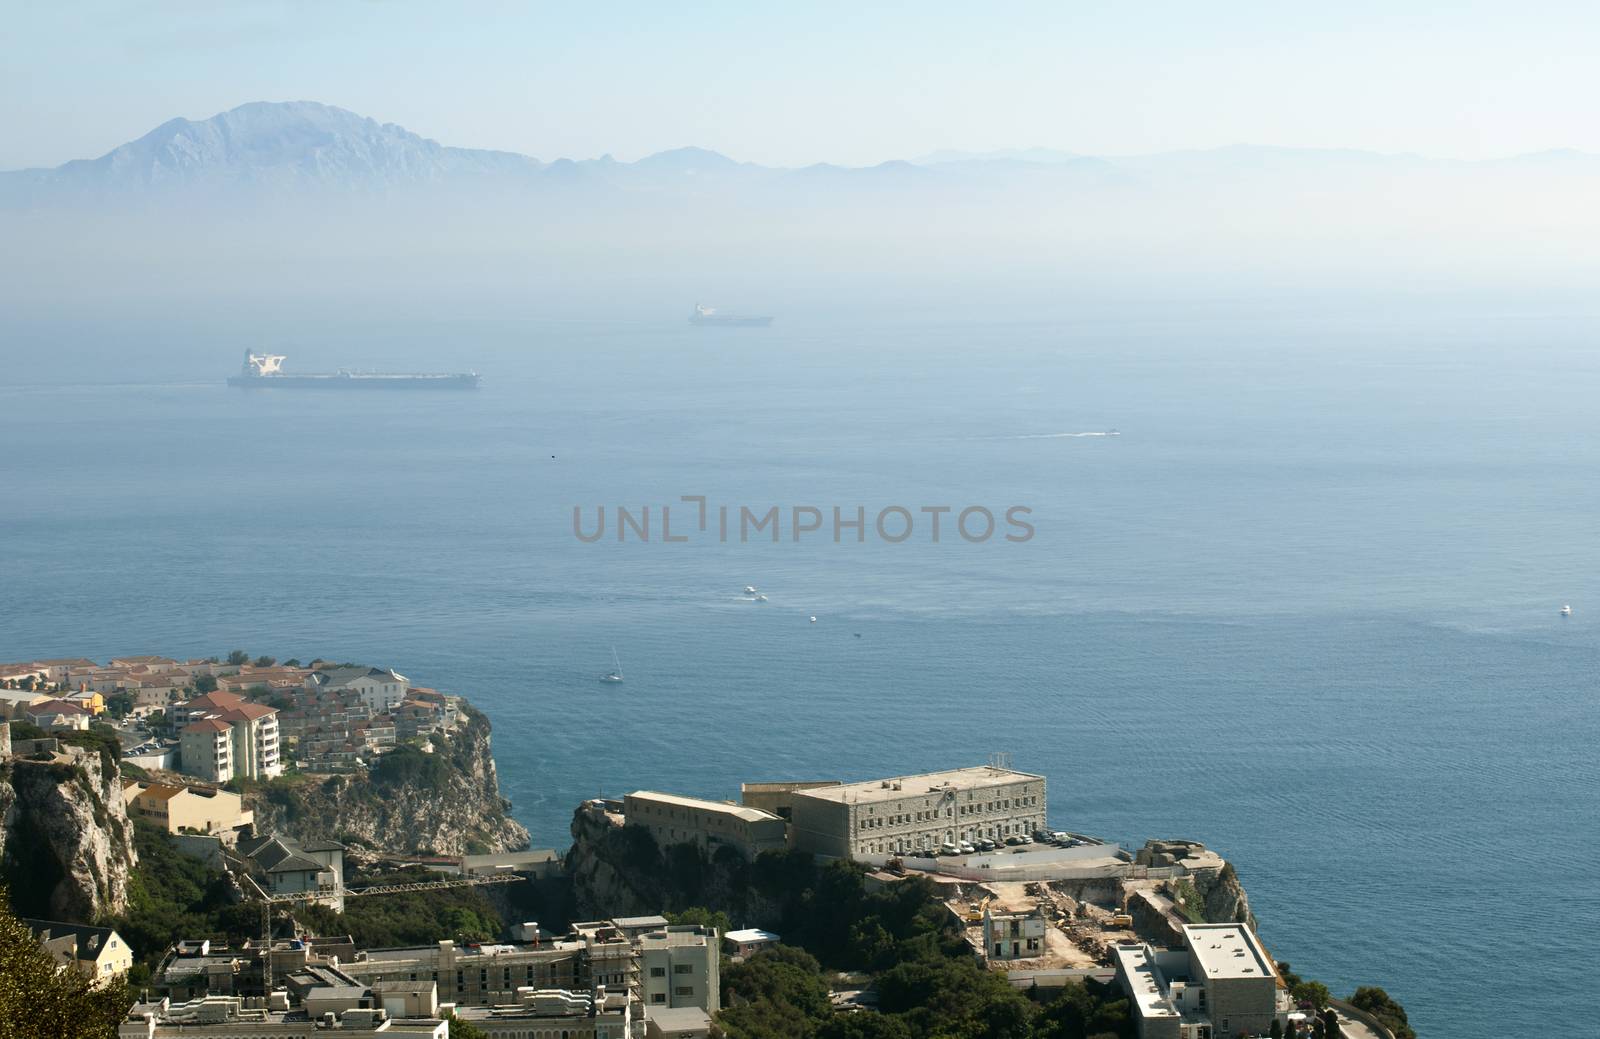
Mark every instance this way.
x=1061 y=838
x=986 y=845
x=1013 y=840
x=967 y=849
x=949 y=849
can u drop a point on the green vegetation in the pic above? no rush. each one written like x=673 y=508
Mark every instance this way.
x=464 y=1029
x=1378 y=1003
x=700 y=916
x=421 y=917
x=108 y=746
x=22 y=729
x=38 y=1001
x=407 y=766
x=1188 y=901
x=927 y=979
x=172 y=896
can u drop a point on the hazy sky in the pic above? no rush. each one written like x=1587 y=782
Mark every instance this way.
x=797 y=83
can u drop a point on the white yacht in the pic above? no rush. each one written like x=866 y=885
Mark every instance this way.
x=1566 y=611
x=615 y=674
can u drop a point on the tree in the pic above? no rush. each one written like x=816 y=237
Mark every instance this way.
x=204 y=684
x=1313 y=992
x=291 y=662
x=460 y=1029
x=40 y=1001
x=1380 y=1005
x=703 y=917
x=1276 y=1031
x=266 y=661
x=238 y=658
x=1330 y=1024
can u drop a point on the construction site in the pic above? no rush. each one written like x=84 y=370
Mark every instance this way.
x=1068 y=927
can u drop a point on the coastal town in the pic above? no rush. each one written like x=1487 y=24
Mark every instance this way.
x=203 y=759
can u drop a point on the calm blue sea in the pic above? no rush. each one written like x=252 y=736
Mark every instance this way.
x=1304 y=608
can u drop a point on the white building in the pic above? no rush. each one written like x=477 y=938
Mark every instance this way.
x=749 y=941
x=912 y=814
x=1220 y=984
x=555 y=1013
x=380 y=689
x=1013 y=936
x=233 y=1017
x=679 y=967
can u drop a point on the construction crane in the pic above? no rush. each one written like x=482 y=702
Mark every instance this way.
x=340 y=891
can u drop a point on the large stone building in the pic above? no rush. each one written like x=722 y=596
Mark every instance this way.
x=710 y=824
x=912 y=814
x=1220 y=984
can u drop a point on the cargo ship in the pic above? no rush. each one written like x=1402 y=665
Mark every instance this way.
x=265 y=371
x=704 y=315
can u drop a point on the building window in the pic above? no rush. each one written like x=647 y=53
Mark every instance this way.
x=683 y=990
x=683 y=968
x=658 y=997
x=658 y=972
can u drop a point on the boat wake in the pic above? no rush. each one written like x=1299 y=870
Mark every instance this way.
x=1061 y=436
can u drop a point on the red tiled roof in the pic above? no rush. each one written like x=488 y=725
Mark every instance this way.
x=55 y=707
x=248 y=712
x=207 y=725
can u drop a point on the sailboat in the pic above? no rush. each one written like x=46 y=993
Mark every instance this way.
x=615 y=674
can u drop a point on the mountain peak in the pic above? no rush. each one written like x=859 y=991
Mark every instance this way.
x=283 y=144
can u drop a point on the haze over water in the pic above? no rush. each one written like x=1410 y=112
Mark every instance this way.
x=1304 y=608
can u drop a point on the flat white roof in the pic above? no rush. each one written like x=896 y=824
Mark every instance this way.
x=750 y=934
x=897 y=787
x=1228 y=951
x=749 y=815
x=1144 y=981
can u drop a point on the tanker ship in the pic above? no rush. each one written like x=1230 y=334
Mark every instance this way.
x=265 y=371
x=704 y=315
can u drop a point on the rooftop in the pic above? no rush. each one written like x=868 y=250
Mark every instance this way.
x=976 y=778
x=750 y=934
x=1228 y=951
x=749 y=815
x=1144 y=979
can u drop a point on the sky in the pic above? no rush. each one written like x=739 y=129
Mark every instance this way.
x=793 y=84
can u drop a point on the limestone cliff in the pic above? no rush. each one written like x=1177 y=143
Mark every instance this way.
x=620 y=871
x=66 y=844
x=1225 y=900
x=446 y=802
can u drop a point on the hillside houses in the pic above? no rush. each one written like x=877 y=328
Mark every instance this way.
x=219 y=721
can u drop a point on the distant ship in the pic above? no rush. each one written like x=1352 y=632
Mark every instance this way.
x=265 y=371
x=704 y=315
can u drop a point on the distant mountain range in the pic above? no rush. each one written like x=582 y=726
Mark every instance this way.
x=293 y=146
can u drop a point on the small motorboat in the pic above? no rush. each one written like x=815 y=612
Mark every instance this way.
x=1566 y=611
x=615 y=674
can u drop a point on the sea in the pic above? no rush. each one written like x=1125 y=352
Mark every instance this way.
x=1303 y=606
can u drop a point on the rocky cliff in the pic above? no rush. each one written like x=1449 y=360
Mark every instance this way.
x=446 y=802
x=620 y=871
x=66 y=844
x=1225 y=900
